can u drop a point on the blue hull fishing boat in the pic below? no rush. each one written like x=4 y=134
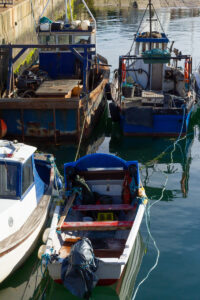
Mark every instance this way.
x=92 y=235
x=62 y=95
x=152 y=95
x=26 y=185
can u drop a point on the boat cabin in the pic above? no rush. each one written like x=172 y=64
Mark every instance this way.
x=18 y=173
x=67 y=61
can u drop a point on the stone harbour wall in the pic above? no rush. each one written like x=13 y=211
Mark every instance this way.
x=17 y=23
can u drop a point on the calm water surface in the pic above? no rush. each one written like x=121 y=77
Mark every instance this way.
x=175 y=220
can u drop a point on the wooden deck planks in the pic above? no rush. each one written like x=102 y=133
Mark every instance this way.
x=59 y=87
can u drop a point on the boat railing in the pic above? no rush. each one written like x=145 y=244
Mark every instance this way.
x=83 y=56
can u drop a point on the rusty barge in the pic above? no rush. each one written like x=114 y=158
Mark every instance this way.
x=63 y=93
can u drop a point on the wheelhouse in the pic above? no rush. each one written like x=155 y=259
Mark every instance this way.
x=16 y=178
x=74 y=46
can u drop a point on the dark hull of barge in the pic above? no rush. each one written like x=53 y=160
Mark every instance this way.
x=52 y=118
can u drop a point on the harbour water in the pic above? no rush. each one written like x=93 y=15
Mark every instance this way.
x=166 y=169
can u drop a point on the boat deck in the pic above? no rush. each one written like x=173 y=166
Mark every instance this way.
x=59 y=87
x=109 y=247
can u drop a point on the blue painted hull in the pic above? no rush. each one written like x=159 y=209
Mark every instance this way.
x=54 y=123
x=39 y=123
x=163 y=125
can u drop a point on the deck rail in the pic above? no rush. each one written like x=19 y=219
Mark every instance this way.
x=83 y=57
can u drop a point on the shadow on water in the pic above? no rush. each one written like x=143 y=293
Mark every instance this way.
x=23 y=282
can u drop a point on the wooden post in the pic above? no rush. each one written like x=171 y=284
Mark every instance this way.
x=65 y=211
x=10 y=70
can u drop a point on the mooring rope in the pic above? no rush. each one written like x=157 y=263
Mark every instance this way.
x=83 y=127
x=80 y=140
x=147 y=218
x=149 y=206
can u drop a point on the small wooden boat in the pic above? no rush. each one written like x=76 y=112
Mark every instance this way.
x=26 y=184
x=104 y=205
x=152 y=94
x=61 y=94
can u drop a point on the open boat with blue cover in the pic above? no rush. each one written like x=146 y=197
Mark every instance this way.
x=93 y=233
x=63 y=93
x=152 y=95
x=26 y=185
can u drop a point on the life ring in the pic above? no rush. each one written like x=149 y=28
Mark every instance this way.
x=123 y=70
x=3 y=128
x=187 y=71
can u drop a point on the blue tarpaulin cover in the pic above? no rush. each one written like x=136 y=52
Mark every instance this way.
x=78 y=269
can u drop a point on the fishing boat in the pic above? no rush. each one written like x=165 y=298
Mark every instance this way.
x=152 y=94
x=62 y=95
x=26 y=185
x=92 y=234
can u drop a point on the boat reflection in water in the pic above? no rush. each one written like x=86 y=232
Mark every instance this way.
x=158 y=158
x=22 y=283
x=125 y=286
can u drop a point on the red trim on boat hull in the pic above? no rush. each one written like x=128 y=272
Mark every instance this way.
x=106 y=281
x=101 y=282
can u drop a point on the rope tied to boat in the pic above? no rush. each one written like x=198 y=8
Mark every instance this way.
x=149 y=206
x=45 y=258
x=76 y=190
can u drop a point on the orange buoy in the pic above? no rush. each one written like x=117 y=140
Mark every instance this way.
x=123 y=70
x=187 y=71
x=3 y=128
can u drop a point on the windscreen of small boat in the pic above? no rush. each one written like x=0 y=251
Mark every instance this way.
x=9 y=180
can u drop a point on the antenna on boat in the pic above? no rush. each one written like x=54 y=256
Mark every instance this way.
x=95 y=23
x=150 y=21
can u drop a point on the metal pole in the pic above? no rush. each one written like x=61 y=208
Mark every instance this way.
x=150 y=25
x=95 y=23
x=150 y=20
x=71 y=10
x=66 y=18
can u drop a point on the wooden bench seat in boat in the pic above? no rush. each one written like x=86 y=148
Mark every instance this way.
x=101 y=207
x=96 y=225
x=108 y=247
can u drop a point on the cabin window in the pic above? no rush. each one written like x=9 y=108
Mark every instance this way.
x=8 y=180
x=47 y=40
x=27 y=175
x=64 y=39
x=82 y=39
